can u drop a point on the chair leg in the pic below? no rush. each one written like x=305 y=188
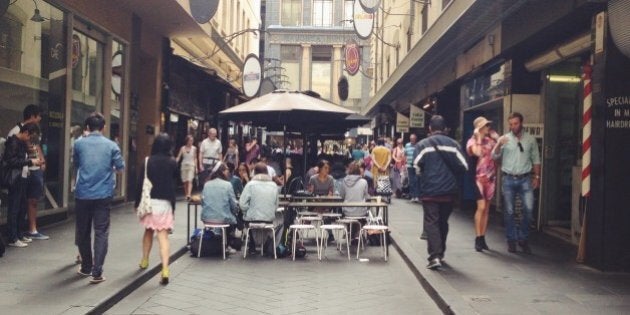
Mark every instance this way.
x=273 y=236
x=246 y=231
x=223 y=241
x=203 y=231
x=385 y=243
x=262 y=246
x=317 y=241
x=360 y=241
x=294 y=241
x=320 y=250
x=347 y=242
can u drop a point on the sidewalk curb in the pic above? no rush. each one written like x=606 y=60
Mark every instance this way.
x=431 y=291
x=109 y=302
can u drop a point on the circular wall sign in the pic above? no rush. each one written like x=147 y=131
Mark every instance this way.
x=352 y=57
x=363 y=21
x=203 y=10
x=252 y=75
x=370 y=6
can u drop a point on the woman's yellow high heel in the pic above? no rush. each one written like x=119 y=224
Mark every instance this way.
x=144 y=264
x=165 y=274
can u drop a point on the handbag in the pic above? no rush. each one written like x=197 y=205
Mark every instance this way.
x=144 y=207
x=383 y=186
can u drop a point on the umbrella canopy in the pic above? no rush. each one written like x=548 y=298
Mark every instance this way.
x=295 y=110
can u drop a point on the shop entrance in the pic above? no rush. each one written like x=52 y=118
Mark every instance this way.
x=562 y=150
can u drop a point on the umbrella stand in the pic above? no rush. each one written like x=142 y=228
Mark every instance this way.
x=283 y=165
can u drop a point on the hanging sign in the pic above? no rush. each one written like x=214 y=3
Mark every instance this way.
x=370 y=6
x=416 y=117
x=402 y=123
x=352 y=57
x=203 y=10
x=363 y=21
x=252 y=75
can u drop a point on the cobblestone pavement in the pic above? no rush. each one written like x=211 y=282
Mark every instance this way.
x=260 y=285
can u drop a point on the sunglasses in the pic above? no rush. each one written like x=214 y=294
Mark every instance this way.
x=520 y=146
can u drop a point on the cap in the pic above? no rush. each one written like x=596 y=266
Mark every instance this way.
x=480 y=122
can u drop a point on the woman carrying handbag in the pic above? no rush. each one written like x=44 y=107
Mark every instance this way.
x=156 y=213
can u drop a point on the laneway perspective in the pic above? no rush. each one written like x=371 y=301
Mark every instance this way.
x=387 y=156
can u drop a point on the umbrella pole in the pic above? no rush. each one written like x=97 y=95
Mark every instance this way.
x=305 y=149
x=283 y=166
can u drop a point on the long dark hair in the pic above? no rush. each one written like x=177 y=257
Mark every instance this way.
x=220 y=173
x=162 y=145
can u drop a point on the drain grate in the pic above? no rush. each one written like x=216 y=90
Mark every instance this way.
x=477 y=298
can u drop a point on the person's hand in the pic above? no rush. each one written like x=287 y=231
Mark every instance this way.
x=535 y=182
x=42 y=164
x=36 y=162
x=503 y=140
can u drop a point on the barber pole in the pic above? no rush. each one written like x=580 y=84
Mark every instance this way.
x=586 y=131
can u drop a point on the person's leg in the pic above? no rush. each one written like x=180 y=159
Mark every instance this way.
x=445 y=212
x=413 y=194
x=162 y=236
x=528 y=209
x=508 y=208
x=34 y=192
x=432 y=228
x=101 y=234
x=13 y=210
x=147 y=243
x=83 y=233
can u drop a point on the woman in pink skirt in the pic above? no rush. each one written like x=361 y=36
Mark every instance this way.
x=162 y=171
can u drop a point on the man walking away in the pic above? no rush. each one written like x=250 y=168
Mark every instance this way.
x=519 y=155
x=96 y=158
x=410 y=149
x=441 y=163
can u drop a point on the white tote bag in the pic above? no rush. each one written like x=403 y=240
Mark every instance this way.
x=144 y=207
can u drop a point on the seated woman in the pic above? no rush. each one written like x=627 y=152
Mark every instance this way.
x=322 y=183
x=219 y=204
x=354 y=188
x=259 y=200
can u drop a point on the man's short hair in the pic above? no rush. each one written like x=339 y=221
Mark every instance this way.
x=517 y=115
x=380 y=141
x=260 y=168
x=31 y=110
x=437 y=123
x=95 y=122
x=30 y=128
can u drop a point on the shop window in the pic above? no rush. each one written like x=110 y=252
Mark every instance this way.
x=291 y=12
x=10 y=43
x=321 y=71
x=348 y=7
x=287 y=75
x=322 y=13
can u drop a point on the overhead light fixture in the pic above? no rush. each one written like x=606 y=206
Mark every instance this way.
x=36 y=16
x=564 y=79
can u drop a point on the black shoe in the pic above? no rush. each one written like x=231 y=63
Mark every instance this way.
x=251 y=249
x=512 y=246
x=483 y=243
x=434 y=264
x=478 y=244
x=525 y=247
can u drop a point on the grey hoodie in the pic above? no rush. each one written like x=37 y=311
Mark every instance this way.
x=259 y=199
x=354 y=189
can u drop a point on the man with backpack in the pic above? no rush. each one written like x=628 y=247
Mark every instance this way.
x=441 y=164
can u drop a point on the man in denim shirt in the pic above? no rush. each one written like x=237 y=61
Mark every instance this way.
x=96 y=159
x=519 y=155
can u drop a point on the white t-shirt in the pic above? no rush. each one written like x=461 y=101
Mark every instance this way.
x=210 y=149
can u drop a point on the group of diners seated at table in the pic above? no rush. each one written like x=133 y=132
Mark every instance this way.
x=259 y=199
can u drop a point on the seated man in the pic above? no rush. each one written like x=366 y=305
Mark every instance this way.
x=259 y=199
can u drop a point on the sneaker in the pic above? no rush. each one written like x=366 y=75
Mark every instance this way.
x=230 y=250
x=434 y=264
x=98 y=279
x=37 y=236
x=26 y=239
x=84 y=273
x=18 y=243
x=525 y=247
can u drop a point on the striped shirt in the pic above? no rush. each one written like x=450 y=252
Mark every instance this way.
x=410 y=149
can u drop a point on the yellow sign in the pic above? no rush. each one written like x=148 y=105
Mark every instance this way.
x=402 y=123
x=416 y=117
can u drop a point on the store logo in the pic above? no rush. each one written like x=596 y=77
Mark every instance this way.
x=352 y=57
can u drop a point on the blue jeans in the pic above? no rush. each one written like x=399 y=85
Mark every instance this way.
x=92 y=212
x=512 y=186
x=414 y=185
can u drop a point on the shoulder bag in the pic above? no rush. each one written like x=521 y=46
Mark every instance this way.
x=144 y=207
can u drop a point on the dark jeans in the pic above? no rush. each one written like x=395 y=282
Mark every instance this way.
x=414 y=185
x=436 y=226
x=92 y=212
x=16 y=209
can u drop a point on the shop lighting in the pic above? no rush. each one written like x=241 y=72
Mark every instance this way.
x=36 y=16
x=564 y=79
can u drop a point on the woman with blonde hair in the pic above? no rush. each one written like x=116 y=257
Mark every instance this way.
x=187 y=154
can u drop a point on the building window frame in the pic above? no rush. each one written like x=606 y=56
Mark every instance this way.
x=326 y=18
x=294 y=5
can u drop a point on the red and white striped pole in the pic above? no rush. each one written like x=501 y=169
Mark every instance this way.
x=586 y=131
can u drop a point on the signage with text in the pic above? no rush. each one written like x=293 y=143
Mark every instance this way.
x=416 y=117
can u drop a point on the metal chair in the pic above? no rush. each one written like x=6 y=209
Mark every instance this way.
x=214 y=226
x=264 y=227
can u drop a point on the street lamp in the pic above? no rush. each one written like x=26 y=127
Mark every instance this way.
x=36 y=16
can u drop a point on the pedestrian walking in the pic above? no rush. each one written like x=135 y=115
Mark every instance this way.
x=16 y=163
x=381 y=157
x=97 y=159
x=231 y=154
x=161 y=170
x=480 y=145
x=410 y=149
x=252 y=150
x=519 y=156
x=441 y=164
x=34 y=188
x=187 y=154
x=210 y=152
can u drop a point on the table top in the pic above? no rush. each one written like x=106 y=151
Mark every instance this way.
x=312 y=204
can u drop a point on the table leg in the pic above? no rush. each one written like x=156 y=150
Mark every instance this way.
x=188 y=227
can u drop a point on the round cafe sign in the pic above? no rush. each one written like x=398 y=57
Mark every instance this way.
x=370 y=6
x=352 y=57
x=252 y=75
x=363 y=21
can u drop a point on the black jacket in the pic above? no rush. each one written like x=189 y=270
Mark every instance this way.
x=163 y=174
x=436 y=177
x=15 y=158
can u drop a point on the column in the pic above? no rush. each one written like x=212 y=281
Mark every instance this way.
x=337 y=71
x=305 y=71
